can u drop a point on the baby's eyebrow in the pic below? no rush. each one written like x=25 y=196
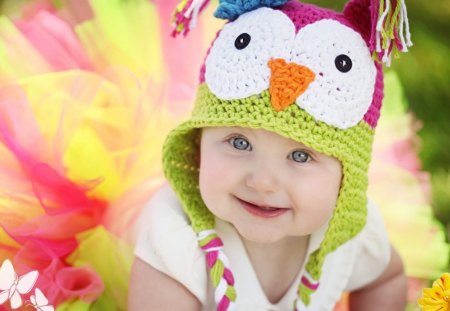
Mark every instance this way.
x=296 y=144
x=240 y=130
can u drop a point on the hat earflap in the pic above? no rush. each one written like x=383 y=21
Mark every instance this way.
x=181 y=164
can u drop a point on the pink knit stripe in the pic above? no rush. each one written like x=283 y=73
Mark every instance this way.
x=211 y=258
x=179 y=18
x=374 y=8
x=223 y=304
x=372 y=115
x=397 y=40
x=216 y=242
x=228 y=276
x=309 y=284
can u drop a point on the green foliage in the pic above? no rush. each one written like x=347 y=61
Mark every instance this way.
x=441 y=195
x=425 y=73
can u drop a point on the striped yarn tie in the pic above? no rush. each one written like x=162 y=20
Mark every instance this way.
x=221 y=275
x=307 y=287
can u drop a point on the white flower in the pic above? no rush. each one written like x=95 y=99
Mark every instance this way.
x=12 y=286
x=40 y=302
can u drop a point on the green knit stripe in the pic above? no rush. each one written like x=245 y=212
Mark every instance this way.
x=293 y=122
x=216 y=272
x=305 y=294
x=207 y=239
x=231 y=293
x=180 y=155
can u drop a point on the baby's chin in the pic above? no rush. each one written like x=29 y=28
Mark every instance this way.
x=260 y=234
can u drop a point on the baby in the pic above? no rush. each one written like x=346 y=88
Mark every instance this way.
x=268 y=178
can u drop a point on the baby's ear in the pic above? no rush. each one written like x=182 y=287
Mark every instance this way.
x=358 y=12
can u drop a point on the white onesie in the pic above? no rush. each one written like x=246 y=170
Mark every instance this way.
x=167 y=242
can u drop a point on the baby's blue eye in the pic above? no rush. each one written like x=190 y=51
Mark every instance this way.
x=240 y=143
x=300 y=156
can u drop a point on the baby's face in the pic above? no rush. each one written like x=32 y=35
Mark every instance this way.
x=267 y=186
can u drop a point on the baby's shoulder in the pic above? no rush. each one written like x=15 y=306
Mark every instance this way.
x=372 y=251
x=163 y=211
x=167 y=242
x=372 y=240
x=163 y=223
x=164 y=202
x=374 y=222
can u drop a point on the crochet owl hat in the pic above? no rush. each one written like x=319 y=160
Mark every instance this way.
x=306 y=73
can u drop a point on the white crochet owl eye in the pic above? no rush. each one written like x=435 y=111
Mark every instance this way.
x=236 y=66
x=344 y=71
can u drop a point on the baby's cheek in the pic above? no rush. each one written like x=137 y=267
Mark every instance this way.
x=212 y=189
x=211 y=177
x=211 y=172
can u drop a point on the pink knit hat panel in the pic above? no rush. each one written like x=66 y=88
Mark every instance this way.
x=303 y=14
x=357 y=17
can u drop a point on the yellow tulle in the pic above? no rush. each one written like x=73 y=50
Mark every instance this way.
x=130 y=36
x=18 y=58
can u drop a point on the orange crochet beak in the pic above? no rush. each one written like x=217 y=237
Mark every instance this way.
x=287 y=82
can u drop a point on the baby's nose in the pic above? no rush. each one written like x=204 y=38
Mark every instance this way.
x=262 y=179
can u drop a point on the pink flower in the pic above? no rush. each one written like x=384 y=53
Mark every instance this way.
x=79 y=282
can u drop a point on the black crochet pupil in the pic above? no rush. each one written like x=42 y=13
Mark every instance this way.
x=343 y=63
x=242 y=41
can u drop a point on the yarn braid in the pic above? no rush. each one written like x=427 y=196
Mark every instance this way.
x=220 y=273
x=306 y=288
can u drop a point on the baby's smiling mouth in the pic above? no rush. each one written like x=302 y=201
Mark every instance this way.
x=262 y=210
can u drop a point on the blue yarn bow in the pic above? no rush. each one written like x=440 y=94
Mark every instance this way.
x=232 y=9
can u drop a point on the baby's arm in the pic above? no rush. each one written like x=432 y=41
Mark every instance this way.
x=151 y=289
x=388 y=292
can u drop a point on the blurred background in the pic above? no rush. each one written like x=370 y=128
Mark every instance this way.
x=89 y=89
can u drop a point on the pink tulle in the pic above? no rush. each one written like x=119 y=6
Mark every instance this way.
x=46 y=210
x=37 y=254
x=75 y=12
x=37 y=6
x=58 y=195
x=183 y=80
x=57 y=280
x=55 y=40
x=66 y=101
x=19 y=130
x=66 y=208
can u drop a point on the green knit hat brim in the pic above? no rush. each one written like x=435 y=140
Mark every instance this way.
x=352 y=147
